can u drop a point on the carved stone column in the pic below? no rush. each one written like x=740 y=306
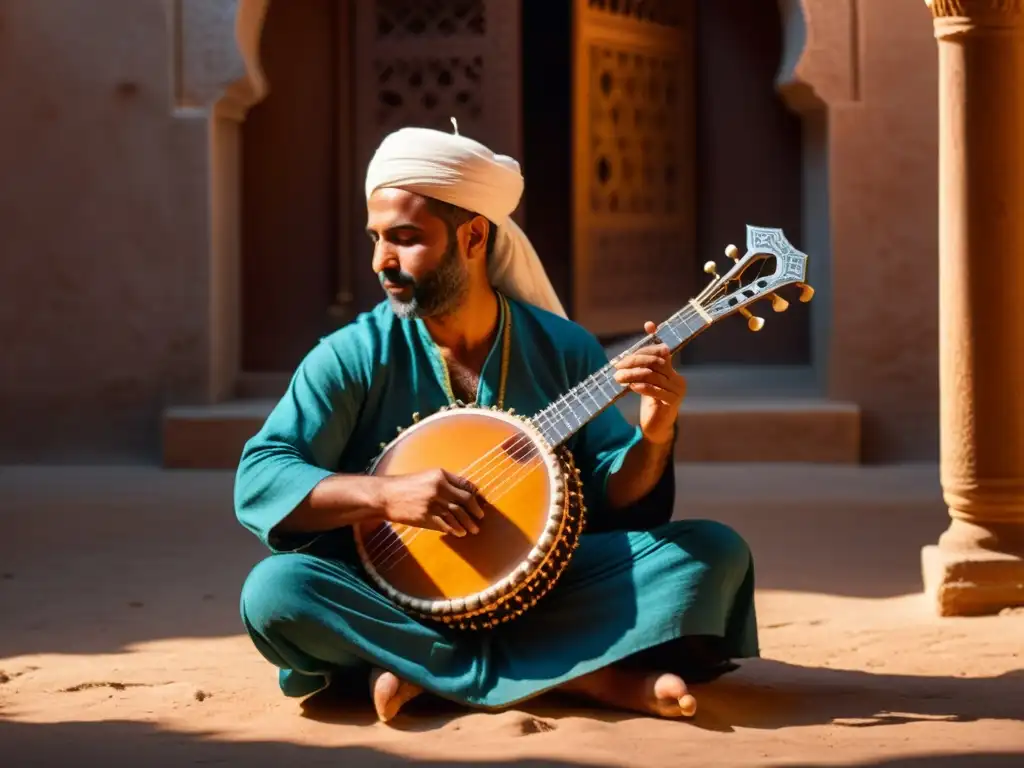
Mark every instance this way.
x=978 y=565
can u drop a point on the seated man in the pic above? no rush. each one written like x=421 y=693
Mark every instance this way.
x=645 y=604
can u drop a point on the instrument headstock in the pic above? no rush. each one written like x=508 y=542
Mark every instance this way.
x=744 y=284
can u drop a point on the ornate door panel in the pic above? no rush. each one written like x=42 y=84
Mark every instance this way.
x=633 y=158
x=289 y=229
x=749 y=156
x=420 y=63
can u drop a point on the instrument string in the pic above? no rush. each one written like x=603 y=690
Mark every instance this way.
x=492 y=462
x=542 y=421
x=509 y=479
x=515 y=452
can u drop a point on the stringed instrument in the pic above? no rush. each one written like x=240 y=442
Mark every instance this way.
x=534 y=511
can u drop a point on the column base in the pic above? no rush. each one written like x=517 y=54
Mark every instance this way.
x=972 y=583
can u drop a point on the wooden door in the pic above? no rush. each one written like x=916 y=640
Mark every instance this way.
x=633 y=156
x=289 y=183
x=749 y=165
x=343 y=74
x=420 y=63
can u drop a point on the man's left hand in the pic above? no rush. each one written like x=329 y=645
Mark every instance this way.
x=649 y=373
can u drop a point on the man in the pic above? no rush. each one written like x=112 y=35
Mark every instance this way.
x=645 y=604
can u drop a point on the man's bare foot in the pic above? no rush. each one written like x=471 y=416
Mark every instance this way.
x=390 y=693
x=661 y=694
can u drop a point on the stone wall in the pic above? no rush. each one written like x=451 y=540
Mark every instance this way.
x=118 y=214
x=104 y=219
x=884 y=220
x=867 y=80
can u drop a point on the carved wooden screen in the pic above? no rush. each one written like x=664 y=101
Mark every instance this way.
x=420 y=63
x=634 y=229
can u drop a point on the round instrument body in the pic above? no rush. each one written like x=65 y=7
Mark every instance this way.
x=533 y=516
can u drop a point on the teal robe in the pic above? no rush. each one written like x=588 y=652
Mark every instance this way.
x=638 y=588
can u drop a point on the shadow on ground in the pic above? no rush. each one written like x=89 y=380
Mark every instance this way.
x=975 y=760
x=849 y=531
x=839 y=549
x=128 y=745
x=764 y=695
x=95 y=559
x=779 y=695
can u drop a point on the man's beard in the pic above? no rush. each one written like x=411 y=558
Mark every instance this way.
x=438 y=293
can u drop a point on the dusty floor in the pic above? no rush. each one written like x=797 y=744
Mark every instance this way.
x=120 y=641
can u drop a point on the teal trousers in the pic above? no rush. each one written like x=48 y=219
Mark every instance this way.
x=626 y=595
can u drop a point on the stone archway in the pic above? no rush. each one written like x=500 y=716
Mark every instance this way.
x=218 y=75
x=749 y=169
x=217 y=53
x=820 y=64
x=818 y=74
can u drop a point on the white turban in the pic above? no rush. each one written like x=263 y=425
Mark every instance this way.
x=465 y=173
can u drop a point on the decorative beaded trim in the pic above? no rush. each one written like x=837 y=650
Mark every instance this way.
x=539 y=570
x=944 y=9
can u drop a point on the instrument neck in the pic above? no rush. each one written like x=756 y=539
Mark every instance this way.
x=576 y=408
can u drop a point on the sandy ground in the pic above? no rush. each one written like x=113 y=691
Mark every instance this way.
x=120 y=642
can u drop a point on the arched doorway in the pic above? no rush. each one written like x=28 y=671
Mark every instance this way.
x=749 y=168
x=329 y=65
x=342 y=74
x=291 y=162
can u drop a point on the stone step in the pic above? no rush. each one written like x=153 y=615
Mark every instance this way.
x=722 y=429
x=763 y=429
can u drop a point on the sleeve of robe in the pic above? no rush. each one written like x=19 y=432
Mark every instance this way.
x=600 y=451
x=302 y=439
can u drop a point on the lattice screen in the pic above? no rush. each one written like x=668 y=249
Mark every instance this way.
x=634 y=132
x=671 y=13
x=412 y=19
x=634 y=164
x=421 y=62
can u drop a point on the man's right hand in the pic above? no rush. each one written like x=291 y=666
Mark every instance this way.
x=435 y=499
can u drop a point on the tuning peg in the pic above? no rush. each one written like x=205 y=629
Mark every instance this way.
x=754 y=323
x=732 y=252
x=806 y=292
x=779 y=304
x=711 y=268
x=416 y=418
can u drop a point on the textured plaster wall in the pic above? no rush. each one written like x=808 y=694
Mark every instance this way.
x=118 y=255
x=104 y=231
x=884 y=208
